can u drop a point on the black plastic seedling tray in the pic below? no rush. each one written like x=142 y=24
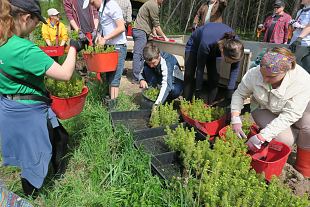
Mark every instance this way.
x=133 y=120
x=152 y=140
x=167 y=165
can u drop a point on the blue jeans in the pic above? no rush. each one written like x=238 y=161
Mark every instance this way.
x=140 y=40
x=114 y=78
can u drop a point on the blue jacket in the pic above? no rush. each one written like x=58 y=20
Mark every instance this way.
x=163 y=74
x=203 y=42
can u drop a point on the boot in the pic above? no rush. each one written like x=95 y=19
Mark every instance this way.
x=29 y=190
x=302 y=163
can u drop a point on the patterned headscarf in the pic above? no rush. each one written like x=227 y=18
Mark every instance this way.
x=274 y=62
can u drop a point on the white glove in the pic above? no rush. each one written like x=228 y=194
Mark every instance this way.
x=260 y=26
x=255 y=142
x=297 y=25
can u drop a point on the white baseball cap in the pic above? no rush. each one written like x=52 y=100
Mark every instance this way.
x=85 y=4
x=52 y=12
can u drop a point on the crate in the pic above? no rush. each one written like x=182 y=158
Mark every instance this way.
x=133 y=120
x=167 y=165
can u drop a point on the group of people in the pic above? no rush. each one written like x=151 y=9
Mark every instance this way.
x=278 y=87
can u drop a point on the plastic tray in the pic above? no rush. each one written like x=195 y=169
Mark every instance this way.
x=167 y=165
x=133 y=120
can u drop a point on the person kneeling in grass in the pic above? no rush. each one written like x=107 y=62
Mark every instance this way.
x=163 y=69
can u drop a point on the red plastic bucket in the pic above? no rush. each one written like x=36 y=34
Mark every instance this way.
x=272 y=161
x=53 y=51
x=101 y=62
x=66 y=108
x=210 y=128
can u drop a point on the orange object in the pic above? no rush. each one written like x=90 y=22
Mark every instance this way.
x=303 y=162
x=53 y=51
x=101 y=62
x=66 y=108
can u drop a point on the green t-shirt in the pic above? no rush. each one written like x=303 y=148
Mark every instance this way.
x=22 y=59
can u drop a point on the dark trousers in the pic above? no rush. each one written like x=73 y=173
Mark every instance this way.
x=140 y=40
x=189 y=75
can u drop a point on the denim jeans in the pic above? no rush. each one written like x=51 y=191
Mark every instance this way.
x=140 y=40
x=114 y=78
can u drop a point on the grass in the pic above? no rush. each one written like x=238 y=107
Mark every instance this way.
x=104 y=168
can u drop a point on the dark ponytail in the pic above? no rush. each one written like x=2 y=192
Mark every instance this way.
x=231 y=47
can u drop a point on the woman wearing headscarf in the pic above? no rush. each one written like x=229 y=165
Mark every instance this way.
x=279 y=91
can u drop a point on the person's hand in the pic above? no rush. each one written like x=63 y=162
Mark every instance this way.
x=297 y=25
x=166 y=39
x=143 y=84
x=78 y=44
x=255 y=142
x=260 y=26
x=294 y=44
x=237 y=126
x=94 y=35
x=100 y=41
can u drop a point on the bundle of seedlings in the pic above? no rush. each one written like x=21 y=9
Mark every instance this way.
x=199 y=111
x=164 y=115
x=65 y=89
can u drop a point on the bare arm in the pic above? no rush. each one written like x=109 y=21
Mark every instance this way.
x=305 y=31
x=161 y=33
x=64 y=71
x=120 y=27
x=74 y=25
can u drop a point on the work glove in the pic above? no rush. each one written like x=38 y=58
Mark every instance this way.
x=78 y=44
x=237 y=126
x=294 y=44
x=255 y=142
x=260 y=26
x=297 y=25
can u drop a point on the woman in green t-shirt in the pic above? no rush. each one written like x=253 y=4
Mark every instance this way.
x=24 y=109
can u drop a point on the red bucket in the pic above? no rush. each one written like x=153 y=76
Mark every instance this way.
x=101 y=62
x=53 y=51
x=66 y=108
x=272 y=161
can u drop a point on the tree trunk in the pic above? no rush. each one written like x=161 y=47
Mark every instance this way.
x=189 y=16
x=257 y=16
x=235 y=14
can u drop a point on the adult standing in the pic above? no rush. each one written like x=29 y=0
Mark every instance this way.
x=24 y=106
x=279 y=91
x=206 y=44
x=112 y=32
x=147 y=19
x=209 y=11
x=301 y=34
x=54 y=30
x=126 y=9
x=276 y=26
x=81 y=20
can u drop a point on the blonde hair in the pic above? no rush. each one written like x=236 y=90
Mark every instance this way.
x=6 y=22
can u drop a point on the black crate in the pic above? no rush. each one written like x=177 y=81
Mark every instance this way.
x=167 y=165
x=133 y=120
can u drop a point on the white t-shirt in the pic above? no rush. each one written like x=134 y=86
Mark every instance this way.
x=107 y=20
x=303 y=19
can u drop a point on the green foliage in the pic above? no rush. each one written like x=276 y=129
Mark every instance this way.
x=223 y=176
x=125 y=103
x=65 y=89
x=164 y=115
x=246 y=123
x=99 y=49
x=199 y=111
x=151 y=93
x=73 y=35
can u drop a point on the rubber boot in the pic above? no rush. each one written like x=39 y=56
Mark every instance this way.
x=303 y=162
x=29 y=190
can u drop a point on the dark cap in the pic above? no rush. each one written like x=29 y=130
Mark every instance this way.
x=279 y=3
x=31 y=6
